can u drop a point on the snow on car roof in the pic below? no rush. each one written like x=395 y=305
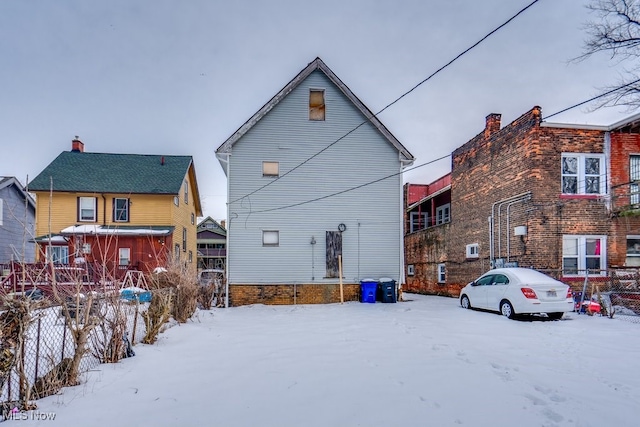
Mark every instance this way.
x=525 y=274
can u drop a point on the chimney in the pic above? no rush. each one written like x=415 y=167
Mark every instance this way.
x=77 y=146
x=162 y=160
x=492 y=124
x=223 y=223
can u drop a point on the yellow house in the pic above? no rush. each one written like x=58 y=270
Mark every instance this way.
x=122 y=211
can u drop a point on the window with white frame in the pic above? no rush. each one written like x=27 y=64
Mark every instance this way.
x=442 y=273
x=87 y=209
x=57 y=254
x=443 y=214
x=583 y=173
x=410 y=270
x=120 y=210
x=270 y=238
x=270 y=168
x=582 y=253
x=186 y=191
x=176 y=200
x=184 y=239
x=124 y=256
x=473 y=250
x=418 y=221
x=634 y=179
x=190 y=257
x=633 y=251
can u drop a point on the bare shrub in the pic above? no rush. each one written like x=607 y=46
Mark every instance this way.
x=14 y=322
x=205 y=295
x=158 y=313
x=183 y=280
x=107 y=341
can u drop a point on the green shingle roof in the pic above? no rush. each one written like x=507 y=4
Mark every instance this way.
x=113 y=173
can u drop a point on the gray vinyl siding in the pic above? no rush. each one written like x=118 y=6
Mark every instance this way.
x=14 y=235
x=371 y=243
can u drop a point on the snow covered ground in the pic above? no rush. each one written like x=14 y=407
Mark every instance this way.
x=423 y=362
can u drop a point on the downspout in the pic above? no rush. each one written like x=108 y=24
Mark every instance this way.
x=104 y=209
x=524 y=199
x=492 y=224
x=226 y=260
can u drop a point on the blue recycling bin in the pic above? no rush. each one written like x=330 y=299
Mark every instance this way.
x=387 y=291
x=368 y=289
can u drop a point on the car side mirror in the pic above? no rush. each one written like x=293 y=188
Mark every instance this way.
x=473 y=283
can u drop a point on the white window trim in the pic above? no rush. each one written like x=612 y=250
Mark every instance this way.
x=410 y=270
x=441 y=209
x=186 y=192
x=472 y=250
x=81 y=207
x=176 y=200
x=64 y=258
x=413 y=220
x=124 y=254
x=582 y=257
x=270 y=238
x=115 y=209
x=635 y=237
x=442 y=273
x=581 y=177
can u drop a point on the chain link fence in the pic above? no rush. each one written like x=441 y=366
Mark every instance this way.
x=40 y=339
x=613 y=293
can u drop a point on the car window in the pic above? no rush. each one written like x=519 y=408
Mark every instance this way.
x=486 y=280
x=500 y=279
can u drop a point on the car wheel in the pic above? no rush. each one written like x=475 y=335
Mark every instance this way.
x=555 y=316
x=507 y=309
x=464 y=302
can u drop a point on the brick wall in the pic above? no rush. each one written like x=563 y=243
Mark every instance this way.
x=425 y=249
x=501 y=163
x=291 y=294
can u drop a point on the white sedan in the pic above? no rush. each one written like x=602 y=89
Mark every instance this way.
x=513 y=291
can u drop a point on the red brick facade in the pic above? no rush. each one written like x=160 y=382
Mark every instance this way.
x=512 y=177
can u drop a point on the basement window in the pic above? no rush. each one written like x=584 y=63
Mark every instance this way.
x=316 y=104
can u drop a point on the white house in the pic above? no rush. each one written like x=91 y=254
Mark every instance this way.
x=313 y=176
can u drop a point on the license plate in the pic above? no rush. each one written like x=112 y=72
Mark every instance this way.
x=552 y=294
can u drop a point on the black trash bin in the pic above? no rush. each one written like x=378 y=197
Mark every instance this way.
x=387 y=291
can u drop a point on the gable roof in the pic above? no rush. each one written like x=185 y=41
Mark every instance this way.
x=8 y=181
x=113 y=173
x=316 y=64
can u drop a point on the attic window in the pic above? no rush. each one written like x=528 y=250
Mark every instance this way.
x=316 y=104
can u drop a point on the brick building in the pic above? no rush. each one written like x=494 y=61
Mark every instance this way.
x=534 y=194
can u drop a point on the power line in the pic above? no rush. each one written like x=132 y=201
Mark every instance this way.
x=591 y=99
x=349 y=189
x=458 y=56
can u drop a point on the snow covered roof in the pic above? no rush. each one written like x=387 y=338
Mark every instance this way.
x=103 y=230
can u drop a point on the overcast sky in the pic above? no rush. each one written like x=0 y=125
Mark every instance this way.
x=179 y=77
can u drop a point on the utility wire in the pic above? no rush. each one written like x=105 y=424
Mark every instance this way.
x=396 y=100
x=591 y=99
x=351 y=188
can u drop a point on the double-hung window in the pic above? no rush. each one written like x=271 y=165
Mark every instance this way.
x=582 y=253
x=634 y=179
x=87 y=209
x=120 y=210
x=124 y=256
x=583 y=173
